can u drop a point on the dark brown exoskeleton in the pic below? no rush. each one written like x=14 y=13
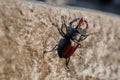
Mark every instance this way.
x=71 y=39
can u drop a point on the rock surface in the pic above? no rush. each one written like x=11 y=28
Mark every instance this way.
x=26 y=30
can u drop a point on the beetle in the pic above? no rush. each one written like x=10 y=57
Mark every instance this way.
x=71 y=39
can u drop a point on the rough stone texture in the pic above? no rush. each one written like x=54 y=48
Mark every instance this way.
x=26 y=30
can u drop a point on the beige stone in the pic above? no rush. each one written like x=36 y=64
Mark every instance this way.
x=26 y=30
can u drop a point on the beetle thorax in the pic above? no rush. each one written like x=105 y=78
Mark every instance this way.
x=69 y=32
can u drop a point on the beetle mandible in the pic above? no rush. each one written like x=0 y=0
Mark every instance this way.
x=71 y=39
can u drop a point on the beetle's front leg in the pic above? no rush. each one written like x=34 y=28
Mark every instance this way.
x=61 y=33
x=54 y=48
x=76 y=42
x=61 y=29
x=91 y=34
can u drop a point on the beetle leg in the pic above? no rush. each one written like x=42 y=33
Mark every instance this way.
x=76 y=42
x=62 y=34
x=79 y=46
x=63 y=25
x=91 y=34
x=61 y=29
x=67 y=61
x=84 y=37
x=54 y=48
x=88 y=35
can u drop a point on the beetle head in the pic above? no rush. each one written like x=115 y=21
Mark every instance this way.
x=81 y=33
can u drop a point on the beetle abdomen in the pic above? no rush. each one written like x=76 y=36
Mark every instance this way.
x=69 y=50
x=65 y=48
x=61 y=46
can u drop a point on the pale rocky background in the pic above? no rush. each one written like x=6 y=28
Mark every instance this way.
x=26 y=30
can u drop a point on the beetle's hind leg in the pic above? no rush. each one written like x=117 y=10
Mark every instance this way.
x=53 y=49
x=67 y=61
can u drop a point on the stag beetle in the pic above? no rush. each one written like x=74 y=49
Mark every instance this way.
x=71 y=39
